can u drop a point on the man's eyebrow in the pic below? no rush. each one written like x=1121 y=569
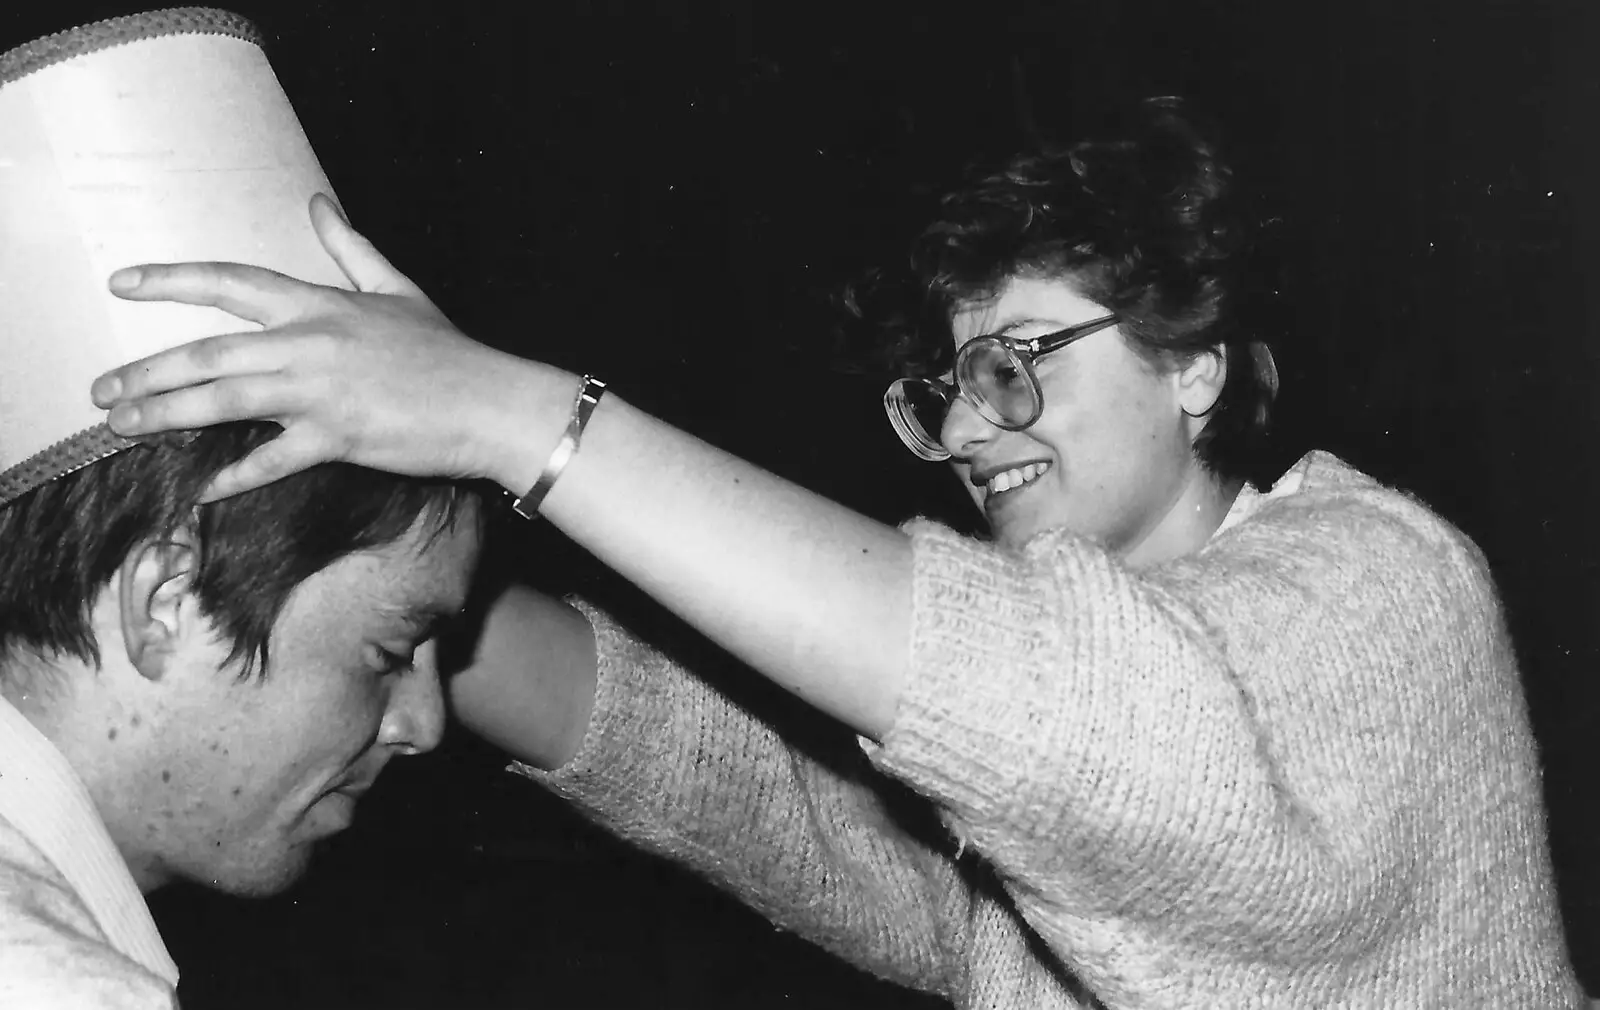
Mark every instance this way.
x=427 y=616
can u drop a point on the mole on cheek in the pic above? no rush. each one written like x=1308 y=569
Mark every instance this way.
x=111 y=734
x=166 y=776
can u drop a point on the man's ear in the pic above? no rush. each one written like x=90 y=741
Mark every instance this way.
x=1200 y=382
x=156 y=597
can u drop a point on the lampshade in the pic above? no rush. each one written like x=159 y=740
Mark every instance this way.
x=157 y=137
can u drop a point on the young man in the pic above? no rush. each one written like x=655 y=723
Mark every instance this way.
x=187 y=692
x=199 y=694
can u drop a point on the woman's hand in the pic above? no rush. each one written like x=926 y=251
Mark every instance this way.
x=377 y=376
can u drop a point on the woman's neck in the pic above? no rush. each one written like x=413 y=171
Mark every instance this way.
x=1200 y=507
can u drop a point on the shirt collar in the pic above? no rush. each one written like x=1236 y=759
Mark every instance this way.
x=44 y=798
x=1250 y=500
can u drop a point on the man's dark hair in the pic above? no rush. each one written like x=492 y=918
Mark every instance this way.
x=1146 y=226
x=61 y=544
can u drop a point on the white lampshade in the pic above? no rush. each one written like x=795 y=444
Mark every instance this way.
x=156 y=137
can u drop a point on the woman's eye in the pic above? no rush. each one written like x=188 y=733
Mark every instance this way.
x=1007 y=375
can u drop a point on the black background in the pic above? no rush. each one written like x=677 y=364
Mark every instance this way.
x=665 y=194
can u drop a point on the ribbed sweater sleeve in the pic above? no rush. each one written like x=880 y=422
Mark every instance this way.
x=674 y=766
x=1293 y=747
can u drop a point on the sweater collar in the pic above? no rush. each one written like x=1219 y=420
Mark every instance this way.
x=43 y=798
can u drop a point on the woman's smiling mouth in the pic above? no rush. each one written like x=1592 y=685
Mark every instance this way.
x=1016 y=477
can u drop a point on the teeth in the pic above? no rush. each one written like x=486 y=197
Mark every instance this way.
x=1017 y=477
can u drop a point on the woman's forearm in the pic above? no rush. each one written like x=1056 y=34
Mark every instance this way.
x=811 y=594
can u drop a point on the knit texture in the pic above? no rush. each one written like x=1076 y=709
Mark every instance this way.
x=1292 y=769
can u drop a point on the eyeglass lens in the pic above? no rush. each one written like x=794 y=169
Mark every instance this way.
x=992 y=374
x=925 y=406
x=995 y=376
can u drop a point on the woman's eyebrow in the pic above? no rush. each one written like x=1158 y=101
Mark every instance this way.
x=1017 y=324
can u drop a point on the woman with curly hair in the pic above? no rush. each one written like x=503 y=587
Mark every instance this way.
x=1191 y=742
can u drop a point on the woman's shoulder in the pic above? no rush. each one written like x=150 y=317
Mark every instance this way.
x=1323 y=485
x=1326 y=508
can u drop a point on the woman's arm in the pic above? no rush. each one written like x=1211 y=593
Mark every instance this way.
x=809 y=593
x=529 y=685
x=794 y=823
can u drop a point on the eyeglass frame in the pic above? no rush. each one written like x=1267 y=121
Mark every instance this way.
x=1027 y=351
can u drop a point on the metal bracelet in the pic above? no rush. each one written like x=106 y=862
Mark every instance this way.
x=589 y=394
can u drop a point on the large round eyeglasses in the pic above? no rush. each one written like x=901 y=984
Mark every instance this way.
x=993 y=373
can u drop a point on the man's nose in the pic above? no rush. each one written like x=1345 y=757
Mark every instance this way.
x=414 y=723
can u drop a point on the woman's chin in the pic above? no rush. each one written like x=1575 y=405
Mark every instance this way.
x=1017 y=516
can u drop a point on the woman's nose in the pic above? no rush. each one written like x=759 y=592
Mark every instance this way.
x=964 y=429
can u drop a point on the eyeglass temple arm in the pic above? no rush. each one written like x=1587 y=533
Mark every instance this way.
x=1048 y=342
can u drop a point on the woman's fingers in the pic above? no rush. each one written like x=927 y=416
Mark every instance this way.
x=239 y=398
x=296 y=449
x=198 y=361
x=363 y=265
x=254 y=293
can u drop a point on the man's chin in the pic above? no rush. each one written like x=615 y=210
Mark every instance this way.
x=262 y=879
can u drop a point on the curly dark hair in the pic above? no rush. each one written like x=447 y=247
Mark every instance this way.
x=1146 y=226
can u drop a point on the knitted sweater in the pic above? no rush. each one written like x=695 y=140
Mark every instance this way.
x=1292 y=769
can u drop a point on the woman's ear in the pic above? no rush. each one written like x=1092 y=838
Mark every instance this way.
x=1200 y=382
x=156 y=599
